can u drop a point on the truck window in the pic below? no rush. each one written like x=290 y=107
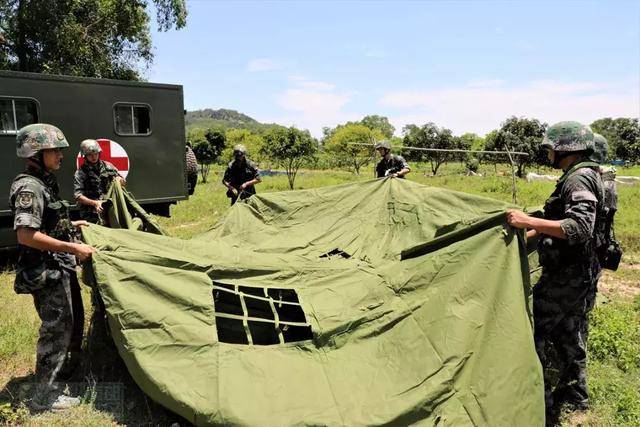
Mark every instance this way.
x=132 y=119
x=16 y=113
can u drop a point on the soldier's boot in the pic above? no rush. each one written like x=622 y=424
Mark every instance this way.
x=62 y=403
x=56 y=404
x=48 y=398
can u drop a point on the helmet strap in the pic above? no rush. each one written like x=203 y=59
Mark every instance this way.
x=558 y=156
x=37 y=162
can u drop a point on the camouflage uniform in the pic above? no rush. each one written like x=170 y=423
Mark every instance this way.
x=394 y=164
x=237 y=173
x=49 y=277
x=93 y=181
x=610 y=206
x=192 y=169
x=561 y=298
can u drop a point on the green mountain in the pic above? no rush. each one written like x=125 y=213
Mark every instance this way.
x=225 y=119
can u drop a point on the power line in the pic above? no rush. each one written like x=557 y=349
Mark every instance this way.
x=450 y=150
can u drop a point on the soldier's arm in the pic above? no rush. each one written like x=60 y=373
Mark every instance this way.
x=256 y=178
x=28 y=205
x=519 y=219
x=38 y=240
x=581 y=205
x=116 y=174
x=226 y=180
x=405 y=168
x=78 y=191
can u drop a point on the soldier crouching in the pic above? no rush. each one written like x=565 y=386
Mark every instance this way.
x=92 y=181
x=46 y=262
x=563 y=296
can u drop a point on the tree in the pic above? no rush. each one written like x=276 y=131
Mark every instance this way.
x=379 y=123
x=205 y=156
x=93 y=38
x=623 y=135
x=341 y=143
x=429 y=136
x=520 y=134
x=217 y=140
x=375 y=123
x=471 y=141
x=207 y=146
x=252 y=141
x=291 y=147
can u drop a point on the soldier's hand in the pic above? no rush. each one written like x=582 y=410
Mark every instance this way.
x=83 y=252
x=517 y=219
x=121 y=180
x=243 y=186
x=97 y=205
x=234 y=191
x=80 y=223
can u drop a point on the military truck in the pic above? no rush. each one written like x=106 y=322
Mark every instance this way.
x=141 y=127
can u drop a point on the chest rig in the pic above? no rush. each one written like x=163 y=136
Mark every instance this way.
x=553 y=252
x=98 y=179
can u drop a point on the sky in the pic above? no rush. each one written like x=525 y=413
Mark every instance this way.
x=464 y=65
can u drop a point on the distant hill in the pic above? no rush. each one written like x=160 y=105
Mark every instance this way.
x=225 y=119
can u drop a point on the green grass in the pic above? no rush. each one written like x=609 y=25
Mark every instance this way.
x=614 y=371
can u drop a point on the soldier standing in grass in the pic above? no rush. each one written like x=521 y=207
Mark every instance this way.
x=46 y=263
x=241 y=175
x=92 y=181
x=390 y=165
x=604 y=238
x=570 y=266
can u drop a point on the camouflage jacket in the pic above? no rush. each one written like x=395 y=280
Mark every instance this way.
x=238 y=173
x=191 y=161
x=610 y=188
x=35 y=203
x=394 y=164
x=577 y=203
x=92 y=181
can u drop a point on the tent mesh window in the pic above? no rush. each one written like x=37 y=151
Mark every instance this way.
x=258 y=316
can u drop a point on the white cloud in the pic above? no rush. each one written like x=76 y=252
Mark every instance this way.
x=480 y=109
x=305 y=83
x=485 y=83
x=312 y=105
x=263 y=64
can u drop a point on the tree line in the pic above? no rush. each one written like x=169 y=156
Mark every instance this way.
x=350 y=145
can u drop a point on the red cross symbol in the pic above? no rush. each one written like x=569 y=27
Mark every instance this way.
x=113 y=153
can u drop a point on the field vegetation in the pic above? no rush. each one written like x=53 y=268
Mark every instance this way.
x=614 y=357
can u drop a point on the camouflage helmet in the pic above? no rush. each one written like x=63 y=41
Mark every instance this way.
x=383 y=144
x=90 y=146
x=34 y=138
x=239 y=148
x=569 y=137
x=600 y=148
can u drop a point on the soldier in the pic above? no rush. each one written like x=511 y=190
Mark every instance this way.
x=610 y=207
x=46 y=262
x=92 y=181
x=241 y=175
x=390 y=165
x=569 y=263
x=192 y=168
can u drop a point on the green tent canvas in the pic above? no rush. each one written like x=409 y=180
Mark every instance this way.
x=377 y=303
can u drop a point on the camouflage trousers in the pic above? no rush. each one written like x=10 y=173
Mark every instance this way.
x=60 y=309
x=561 y=303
